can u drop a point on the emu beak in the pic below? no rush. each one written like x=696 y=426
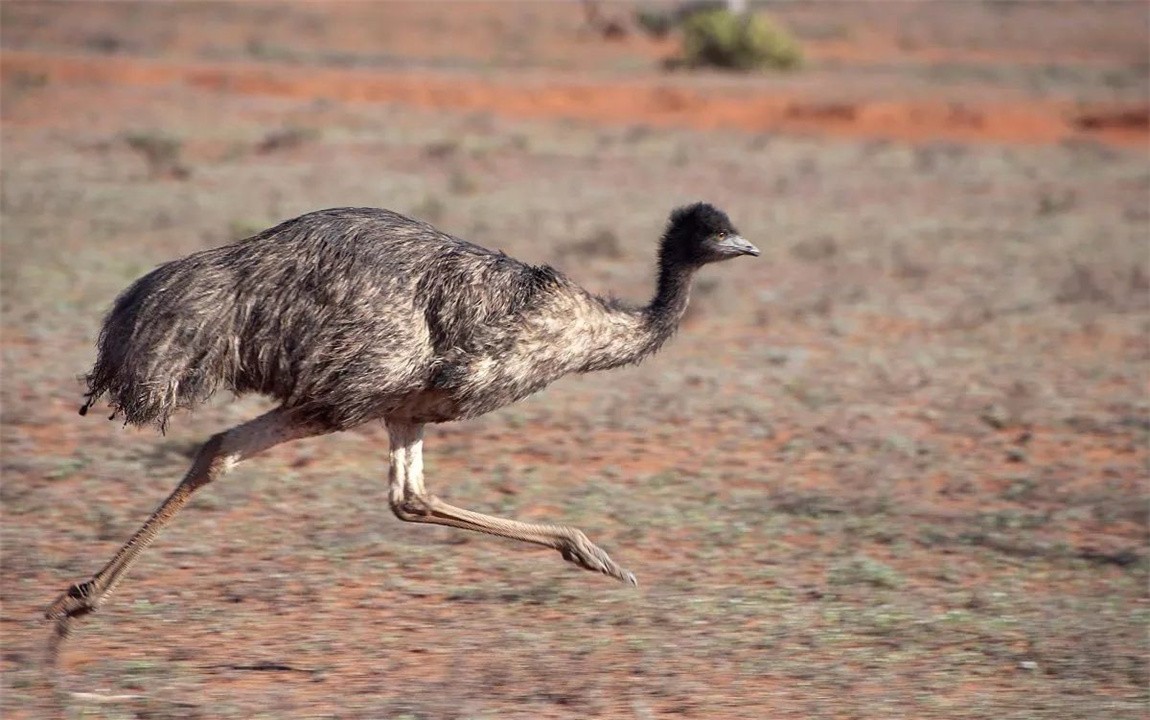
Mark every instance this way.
x=738 y=245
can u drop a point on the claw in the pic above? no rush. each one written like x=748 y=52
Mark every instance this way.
x=76 y=601
x=589 y=556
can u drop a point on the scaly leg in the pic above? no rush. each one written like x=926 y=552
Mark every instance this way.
x=411 y=502
x=214 y=459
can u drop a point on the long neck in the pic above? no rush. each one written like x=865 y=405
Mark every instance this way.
x=661 y=317
x=626 y=336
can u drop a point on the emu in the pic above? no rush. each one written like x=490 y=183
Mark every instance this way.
x=349 y=315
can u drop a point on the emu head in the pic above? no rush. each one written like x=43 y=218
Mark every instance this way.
x=700 y=234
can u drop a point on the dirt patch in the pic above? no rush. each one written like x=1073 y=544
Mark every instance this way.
x=626 y=102
x=630 y=102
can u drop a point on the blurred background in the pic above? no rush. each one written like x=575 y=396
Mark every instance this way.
x=895 y=467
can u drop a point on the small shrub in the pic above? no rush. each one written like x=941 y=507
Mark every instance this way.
x=244 y=229
x=104 y=43
x=721 y=39
x=656 y=23
x=261 y=50
x=161 y=152
x=287 y=138
x=862 y=570
x=441 y=150
x=816 y=249
x=460 y=182
x=603 y=243
x=23 y=80
x=431 y=209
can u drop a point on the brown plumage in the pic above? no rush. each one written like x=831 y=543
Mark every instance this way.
x=356 y=314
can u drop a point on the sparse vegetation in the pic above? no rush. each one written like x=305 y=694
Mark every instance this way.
x=287 y=138
x=431 y=209
x=714 y=36
x=603 y=243
x=721 y=39
x=462 y=182
x=864 y=571
x=441 y=149
x=23 y=81
x=656 y=22
x=243 y=229
x=161 y=151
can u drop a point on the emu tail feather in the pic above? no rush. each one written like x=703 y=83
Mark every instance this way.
x=164 y=346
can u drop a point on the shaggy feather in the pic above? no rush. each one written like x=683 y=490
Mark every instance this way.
x=353 y=314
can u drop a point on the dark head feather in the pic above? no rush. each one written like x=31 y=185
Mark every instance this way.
x=690 y=231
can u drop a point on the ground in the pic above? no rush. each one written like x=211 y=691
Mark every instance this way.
x=895 y=467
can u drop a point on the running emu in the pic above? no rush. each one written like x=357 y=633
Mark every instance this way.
x=358 y=314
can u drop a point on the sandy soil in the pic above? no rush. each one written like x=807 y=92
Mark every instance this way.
x=643 y=102
x=893 y=468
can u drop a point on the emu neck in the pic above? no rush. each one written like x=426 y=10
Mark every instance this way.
x=626 y=336
x=673 y=292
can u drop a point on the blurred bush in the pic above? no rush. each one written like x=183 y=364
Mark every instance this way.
x=722 y=39
x=656 y=23
x=713 y=36
x=160 y=151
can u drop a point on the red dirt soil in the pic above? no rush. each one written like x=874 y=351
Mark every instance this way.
x=629 y=101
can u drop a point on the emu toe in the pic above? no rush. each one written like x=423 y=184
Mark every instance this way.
x=77 y=601
x=590 y=556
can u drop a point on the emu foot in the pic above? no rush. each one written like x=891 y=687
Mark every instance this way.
x=77 y=601
x=589 y=556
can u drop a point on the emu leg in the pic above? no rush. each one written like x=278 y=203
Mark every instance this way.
x=215 y=458
x=411 y=502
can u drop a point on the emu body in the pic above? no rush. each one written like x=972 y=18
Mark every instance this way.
x=356 y=314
